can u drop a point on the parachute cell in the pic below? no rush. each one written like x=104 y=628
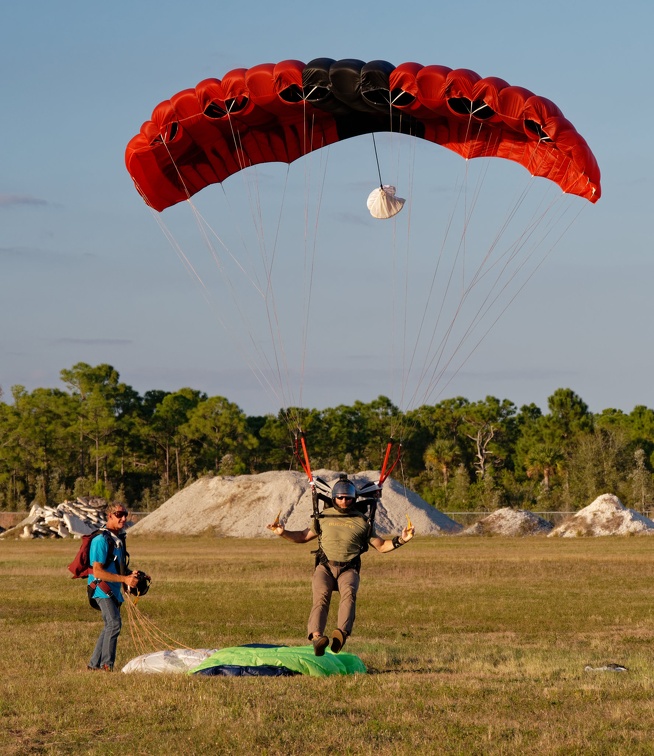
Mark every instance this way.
x=281 y=112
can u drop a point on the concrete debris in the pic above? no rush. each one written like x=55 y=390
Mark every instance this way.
x=607 y=515
x=241 y=507
x=509 y=522
x=70 y=518
x=611 y=667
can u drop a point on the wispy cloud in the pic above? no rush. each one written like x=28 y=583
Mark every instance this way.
x=25 y=253
x=13 y=200
x=94 y=342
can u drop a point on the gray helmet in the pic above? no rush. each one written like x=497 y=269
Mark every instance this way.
x=344 y=487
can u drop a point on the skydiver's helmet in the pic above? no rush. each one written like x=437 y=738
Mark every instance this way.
x=142 y=586
x=344 y=493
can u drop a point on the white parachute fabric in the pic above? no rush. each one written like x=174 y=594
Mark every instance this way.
x=179 y=660
x=383 y=203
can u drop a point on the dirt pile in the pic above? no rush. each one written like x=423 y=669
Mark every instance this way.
x=607 y=515
x=242 y=506
x=509 y=522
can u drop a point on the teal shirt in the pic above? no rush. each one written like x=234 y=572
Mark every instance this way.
x=99 y=552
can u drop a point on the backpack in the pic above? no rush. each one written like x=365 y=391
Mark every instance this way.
x=81 y=566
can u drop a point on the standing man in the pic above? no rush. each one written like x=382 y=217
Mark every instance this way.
x=343 y=533
x=108 y=557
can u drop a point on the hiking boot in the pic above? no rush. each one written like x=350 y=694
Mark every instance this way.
x=338 y=640
x=320 y=643
x=106 y=668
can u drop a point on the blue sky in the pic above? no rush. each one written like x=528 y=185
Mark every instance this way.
x=86 y=274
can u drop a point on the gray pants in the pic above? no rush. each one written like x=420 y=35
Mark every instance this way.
x=325 y=581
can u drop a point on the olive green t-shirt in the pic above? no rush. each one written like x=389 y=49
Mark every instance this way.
x=342 y=536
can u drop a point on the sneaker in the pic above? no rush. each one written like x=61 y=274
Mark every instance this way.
x=338 y=640
x=93 y=669
x=320 y=643
x=106 y=668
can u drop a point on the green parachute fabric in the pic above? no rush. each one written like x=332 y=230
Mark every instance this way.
x=274 y=661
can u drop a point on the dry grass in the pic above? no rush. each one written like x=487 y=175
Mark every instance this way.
x=475 y=646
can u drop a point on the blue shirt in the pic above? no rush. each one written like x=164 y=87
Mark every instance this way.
x=99 y=552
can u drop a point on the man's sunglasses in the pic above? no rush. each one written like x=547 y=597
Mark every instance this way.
x=120 y=515
x=344 y=498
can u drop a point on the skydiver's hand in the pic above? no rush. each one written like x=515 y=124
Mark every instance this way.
x=408 y=533
x=131 y=581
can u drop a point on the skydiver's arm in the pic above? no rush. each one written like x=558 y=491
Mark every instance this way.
x=385 y=545
x=296 y=536
x=99 y=573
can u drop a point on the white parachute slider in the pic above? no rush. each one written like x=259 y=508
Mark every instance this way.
x=383 y=203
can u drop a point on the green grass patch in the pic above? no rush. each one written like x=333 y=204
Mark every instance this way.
x=474 y=646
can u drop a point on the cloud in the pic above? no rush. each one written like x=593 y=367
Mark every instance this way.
x=11 y=200
x=94 y=342
x=25 y=253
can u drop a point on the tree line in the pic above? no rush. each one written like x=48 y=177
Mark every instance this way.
x=99 y=437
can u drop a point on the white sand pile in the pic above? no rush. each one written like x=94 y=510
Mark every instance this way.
x=509 y=522
x=242 y=506
x=607 y=515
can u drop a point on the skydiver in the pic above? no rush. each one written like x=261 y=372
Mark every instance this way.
x=344 y=534
x=106 y=582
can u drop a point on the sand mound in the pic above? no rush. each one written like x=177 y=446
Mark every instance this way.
x=509 y=522
x=607 y=515
x=242 y=506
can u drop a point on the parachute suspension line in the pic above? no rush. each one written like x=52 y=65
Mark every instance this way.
x=405 y=295
x=507 y=305
x=177 y=171
x=143 y=629
x=374 y=144
x=202 y=224
x=429 y=297
x=309 y=257
x=496 y=291
x=261 y=379
x=482 y=271
x=435 y=362
x=272 y=310
x=191 y=270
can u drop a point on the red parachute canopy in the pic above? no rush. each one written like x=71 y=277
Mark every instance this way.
x=278 y=113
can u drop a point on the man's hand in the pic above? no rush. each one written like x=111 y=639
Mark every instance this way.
x=409 y=531
x=276 y=527
x=131 y=580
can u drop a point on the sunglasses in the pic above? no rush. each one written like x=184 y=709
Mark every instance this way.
x=344 y=498
x=120 y=515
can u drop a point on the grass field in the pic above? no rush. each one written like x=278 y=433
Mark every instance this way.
x=474 y=646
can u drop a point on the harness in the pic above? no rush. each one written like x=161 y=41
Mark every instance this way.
x=121 y=567
x=365 y=507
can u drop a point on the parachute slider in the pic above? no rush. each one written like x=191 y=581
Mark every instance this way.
x=383 y=203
